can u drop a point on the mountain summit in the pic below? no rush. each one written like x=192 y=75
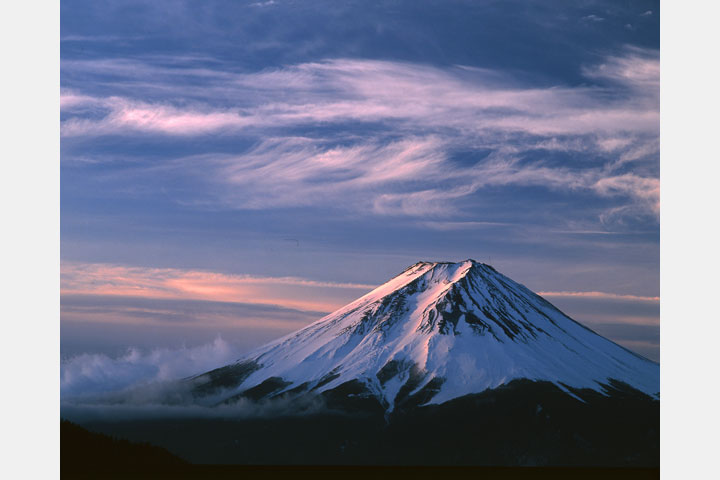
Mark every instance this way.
x=435 y=332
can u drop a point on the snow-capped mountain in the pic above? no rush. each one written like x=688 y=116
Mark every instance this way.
x=435 y=332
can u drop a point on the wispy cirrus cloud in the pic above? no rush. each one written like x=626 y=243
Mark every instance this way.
x=125 y=115
x=466 y=99
x=638 y=69
x=433 y=113
x=303 y=171
x=414 y=176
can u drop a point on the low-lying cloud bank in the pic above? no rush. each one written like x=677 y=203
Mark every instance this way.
x=154 y=384
x=244 y=408
x=90 y=376
x=145 y=399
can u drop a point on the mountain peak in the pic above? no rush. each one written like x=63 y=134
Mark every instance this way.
x=467 y=263
x=445 y=329
x=449 y=296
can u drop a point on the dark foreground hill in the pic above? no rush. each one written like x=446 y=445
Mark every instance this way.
x=94 y=455
x=90 y=455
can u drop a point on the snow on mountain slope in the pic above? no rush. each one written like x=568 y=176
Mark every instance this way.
x=450 y=328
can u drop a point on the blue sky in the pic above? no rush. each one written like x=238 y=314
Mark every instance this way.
x=241 y=168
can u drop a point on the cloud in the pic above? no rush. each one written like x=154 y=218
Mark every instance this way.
x=141 y=384
x=645 y=190
x=151 y=402
x=601 y=295
x=637 y=68
x=181 y=314
x=71 y=101
x=468 y=225
x=302 y=171
x=465 y=99
x=133 y=116
x=632 y=321
x=421 y=203
x=385 y=135
x=92 y=374
x=170 y=283
x=414 y=176
x=115 y=39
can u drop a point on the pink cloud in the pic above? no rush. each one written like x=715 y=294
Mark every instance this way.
x=126 y=115
x=69 y=100
x=170 y=283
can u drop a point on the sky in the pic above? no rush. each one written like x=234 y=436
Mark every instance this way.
x=234 y=170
